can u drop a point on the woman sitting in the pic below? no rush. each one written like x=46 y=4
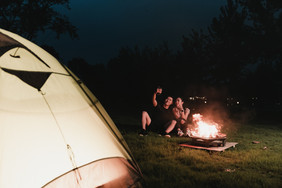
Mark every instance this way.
x=181 y=115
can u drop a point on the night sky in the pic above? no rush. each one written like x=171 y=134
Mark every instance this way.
x=104 y=26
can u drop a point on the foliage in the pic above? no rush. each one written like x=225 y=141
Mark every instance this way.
x=229 y=45
x=29 y=17
x=240 y=56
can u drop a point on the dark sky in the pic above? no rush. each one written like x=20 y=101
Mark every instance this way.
x=104 y=26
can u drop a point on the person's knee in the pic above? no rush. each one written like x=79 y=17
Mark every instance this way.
x=144 y=113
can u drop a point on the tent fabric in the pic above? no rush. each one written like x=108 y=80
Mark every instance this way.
x=8 y=43
x=112 y=172
x=52 y=127
x=34 y=79
x=32 y=57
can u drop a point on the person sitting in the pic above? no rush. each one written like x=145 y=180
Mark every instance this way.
x=160 y=119
x=181 y=115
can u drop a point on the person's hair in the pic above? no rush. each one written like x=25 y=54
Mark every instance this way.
x=167 y=96
x=181 y=99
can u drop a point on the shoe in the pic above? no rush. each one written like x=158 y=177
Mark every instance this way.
x=164 y=134
x=179 y=132
x=143 y=132
x=167 y=135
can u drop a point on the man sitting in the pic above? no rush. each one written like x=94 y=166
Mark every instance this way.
x=162 y=118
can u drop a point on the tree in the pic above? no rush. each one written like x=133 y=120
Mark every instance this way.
x=247 y=32
x=194 y=57
x=265 y=19
x=29 y=17
x=229 y=44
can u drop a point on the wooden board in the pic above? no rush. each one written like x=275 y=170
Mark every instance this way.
x=227 y=145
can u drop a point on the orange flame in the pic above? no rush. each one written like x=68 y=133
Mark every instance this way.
x=204 y=129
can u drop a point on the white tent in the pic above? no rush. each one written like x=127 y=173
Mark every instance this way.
x=53 y=130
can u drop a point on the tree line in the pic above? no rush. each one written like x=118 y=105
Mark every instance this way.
x=237 y=55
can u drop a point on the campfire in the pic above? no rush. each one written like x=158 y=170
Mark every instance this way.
x=205 y=132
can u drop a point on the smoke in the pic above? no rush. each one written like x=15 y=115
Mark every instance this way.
x=216 y=112
x=211 y=102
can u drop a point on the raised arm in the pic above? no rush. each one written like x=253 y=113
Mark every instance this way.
x=157 y=92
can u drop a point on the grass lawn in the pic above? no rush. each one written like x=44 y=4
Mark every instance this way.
x=166 y=164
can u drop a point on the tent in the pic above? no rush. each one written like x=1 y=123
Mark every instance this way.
x=53 y=131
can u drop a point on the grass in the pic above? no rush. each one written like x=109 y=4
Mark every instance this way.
x=166 y=164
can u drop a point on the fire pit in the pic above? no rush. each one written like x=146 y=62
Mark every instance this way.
x=209 y=142
x=206 y=133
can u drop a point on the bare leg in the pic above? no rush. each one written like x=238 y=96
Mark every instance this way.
x=171 y=126
x=146 y=120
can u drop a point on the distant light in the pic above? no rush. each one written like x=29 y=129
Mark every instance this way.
x=238 y=102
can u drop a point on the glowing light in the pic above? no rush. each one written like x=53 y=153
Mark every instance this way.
x=204 y=129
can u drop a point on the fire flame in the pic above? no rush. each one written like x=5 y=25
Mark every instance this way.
x=204 y=129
